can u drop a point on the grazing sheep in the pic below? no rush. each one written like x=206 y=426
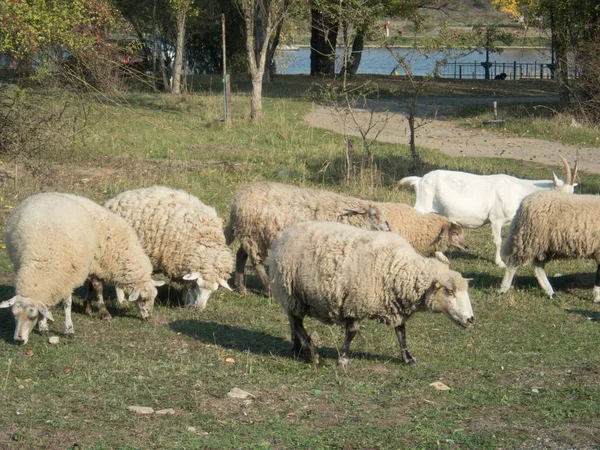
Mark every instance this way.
x=182 y=236
x=261 y=210
x=474 y=200
x=428 y=233
x=341 y=274
x=120 y=260
x=51 y=242
x=550 y=225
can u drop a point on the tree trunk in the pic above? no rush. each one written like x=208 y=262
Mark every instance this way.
x=256 y=112
x=273 y=44
x=351 y=66
x=562 y=70
x=178 y=63
x=323 y=40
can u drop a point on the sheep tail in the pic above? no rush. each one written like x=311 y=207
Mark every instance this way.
x=409 y=181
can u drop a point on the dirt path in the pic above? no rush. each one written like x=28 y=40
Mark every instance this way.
x=448 y=138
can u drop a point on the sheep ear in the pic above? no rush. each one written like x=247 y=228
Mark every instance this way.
x=224 y=284
x=158 y=283
x=135 y=294
x=468 y=280
x=353 y=212
x=192 y=276
x=46 y=313
x=8 y=303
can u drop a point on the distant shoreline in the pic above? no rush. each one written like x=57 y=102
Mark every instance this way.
x=291 y=48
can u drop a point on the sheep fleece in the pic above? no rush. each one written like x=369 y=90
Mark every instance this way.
x=179 y=232
x=421 y=230
x=332 y=272
x=51 y=241
x=261 y=210
x=120 y=258
x=555 y=224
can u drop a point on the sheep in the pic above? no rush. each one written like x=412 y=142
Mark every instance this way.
x=55 y=243
x=341 y=274
x=474 y=200
x=551 y=225
x=261 y=210
x=428 y=233
x=182 y=236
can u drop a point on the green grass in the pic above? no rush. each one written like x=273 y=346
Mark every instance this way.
x=536 y=121
x=75 y=394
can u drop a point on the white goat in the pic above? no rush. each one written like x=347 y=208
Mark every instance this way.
x=473 y=200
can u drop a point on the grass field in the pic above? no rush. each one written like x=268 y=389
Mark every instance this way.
x=527 y=375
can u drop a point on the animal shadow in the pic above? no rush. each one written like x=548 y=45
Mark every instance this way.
x=257 y=342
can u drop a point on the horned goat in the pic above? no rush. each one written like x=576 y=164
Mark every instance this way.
x=474 y=200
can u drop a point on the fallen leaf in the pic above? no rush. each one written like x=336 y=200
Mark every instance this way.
x=67 y=371
x=53 y=339
x=164 y=412
x=230 y=360
x=141 y=409
x=27 y=380
x=469 y=345
x=439 y=386
x=29 y=352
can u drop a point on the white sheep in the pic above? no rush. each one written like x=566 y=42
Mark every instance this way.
x=54 y=243
x=428 y=233
x=342 y=274
x=261 y=210
x=182 y=236
x=120 y=260
x=474 y=200
x=551 y=225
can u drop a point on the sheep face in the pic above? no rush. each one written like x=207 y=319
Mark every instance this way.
x=448 y=294
x=456 y=237
x=199 y=290
x=27 y=313
x=144 y=294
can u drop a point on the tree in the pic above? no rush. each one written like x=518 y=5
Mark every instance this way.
x=44 y=29
x=181 y=9
x=261 y=18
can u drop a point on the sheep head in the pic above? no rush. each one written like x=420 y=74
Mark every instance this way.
x=449 y=294
x=373 y=214
x=144 y=295
x=27 y=313
x=200 y=290
x=455 y=236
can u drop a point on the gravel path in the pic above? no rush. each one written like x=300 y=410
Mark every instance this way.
x=437 y=133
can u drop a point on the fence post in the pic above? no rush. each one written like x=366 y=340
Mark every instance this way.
x=541 y=71
x=514 y=70
x=460 y=72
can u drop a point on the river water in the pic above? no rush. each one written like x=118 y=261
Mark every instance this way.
x=380 y=61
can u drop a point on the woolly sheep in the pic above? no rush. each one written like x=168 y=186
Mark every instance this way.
x=550 y=225
x=54 y=243
x=342 y=274
x=261 y=210
x=51 y=242
x=182 y=236
x=428 y=233
x=120 y=260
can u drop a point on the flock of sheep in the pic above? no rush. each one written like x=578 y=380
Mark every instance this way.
x=334 y=258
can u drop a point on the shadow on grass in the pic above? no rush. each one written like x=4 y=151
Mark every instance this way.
x=592 y=316
x=257 y=342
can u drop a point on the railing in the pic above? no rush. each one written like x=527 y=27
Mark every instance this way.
x=513 y=71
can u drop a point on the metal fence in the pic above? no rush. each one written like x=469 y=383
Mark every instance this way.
x=513 y=71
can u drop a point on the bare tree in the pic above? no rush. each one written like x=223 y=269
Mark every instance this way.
x=261 y=17
x=181 y=9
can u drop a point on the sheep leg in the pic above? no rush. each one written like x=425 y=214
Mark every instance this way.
x=540 y=274
x=401 y=333
x=509 y=275
x=68 y=331
x=497 y=234
x=87 y=300
x=99 y=289
x=352 y=328
x=441 y=257
x=264 y=278
x=597 y=286
x=240 y=266
x=302 y=341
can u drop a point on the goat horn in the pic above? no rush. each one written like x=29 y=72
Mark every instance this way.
x=567 y=169
x=575 y=168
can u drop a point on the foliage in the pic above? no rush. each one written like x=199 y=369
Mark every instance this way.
x=29 y=27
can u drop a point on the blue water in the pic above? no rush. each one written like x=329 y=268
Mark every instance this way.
x=380 y=61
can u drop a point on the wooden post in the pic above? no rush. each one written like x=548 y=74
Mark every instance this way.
x=228 y=100
x=226 y=84
x=514 y=70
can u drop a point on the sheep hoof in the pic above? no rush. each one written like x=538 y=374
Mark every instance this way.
x=242 y=290
x=44 y=332
x=409 y=359
x=69 y=335
x=106 y=317
x=343 y=361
